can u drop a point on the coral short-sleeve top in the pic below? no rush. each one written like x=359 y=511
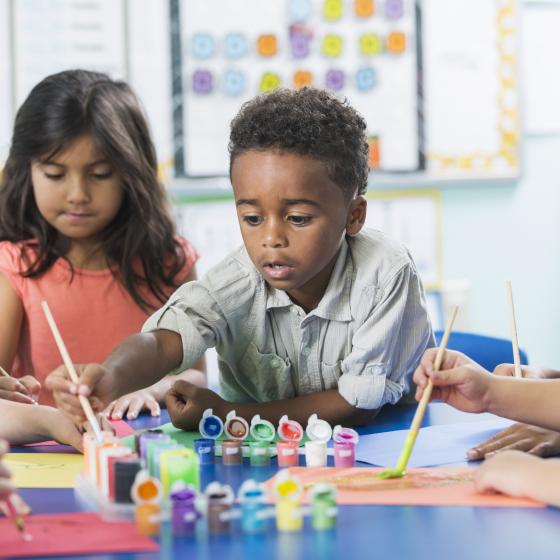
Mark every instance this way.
x=92 y=309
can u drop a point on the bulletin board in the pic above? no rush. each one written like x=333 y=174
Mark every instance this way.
x=470 y=69
x=362 y=50
x=436 y=79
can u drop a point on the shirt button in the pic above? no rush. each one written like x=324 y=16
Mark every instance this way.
x=306 y=350
x=276 y=362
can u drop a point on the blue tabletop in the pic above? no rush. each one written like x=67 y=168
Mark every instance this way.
x=362 y=531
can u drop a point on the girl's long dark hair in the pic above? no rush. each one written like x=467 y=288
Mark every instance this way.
x=58 y=110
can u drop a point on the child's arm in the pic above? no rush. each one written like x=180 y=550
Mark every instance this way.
x=467 y=386
x=26 y=389
x=141 y=360
x=521 y=475
x=151 y=397
x=527 y=372
x=186 y=403
x=24 y=423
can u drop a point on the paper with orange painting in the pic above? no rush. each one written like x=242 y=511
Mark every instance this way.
x=445 y=486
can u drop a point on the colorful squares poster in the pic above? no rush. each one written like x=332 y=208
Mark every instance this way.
x=363 y=50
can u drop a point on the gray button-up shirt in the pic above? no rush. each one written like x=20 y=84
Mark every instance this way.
x=365 y=337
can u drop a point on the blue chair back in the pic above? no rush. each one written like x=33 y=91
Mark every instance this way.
x=488 y=351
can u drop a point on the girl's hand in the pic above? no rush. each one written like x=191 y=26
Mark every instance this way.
x=186 y=403
x=7 y=488
x=24 y=389
x=461 y=382
x=523 y=437
x=509 y=472
x=95 y=384
x=134 y=403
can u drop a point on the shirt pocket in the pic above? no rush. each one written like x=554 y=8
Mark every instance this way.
x=330 y=374
x=266 y=376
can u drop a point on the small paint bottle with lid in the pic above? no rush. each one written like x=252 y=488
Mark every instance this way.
x=262 y=433
x=345 y=441
x=290 y=433
x=319 y=433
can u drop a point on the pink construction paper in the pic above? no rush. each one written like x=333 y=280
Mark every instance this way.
x=71 y=534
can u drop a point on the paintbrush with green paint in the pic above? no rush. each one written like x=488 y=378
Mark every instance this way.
x=400 y=468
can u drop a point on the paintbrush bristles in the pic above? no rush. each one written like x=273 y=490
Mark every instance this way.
x=513 y=325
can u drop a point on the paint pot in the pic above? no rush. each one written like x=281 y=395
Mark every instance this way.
x=288 y=502
x=205 y=448
x=140 y=433
x=262 y=430
x=323 y=506
x=105 y=454
x=90 y=445
x=290 y=432
x=252 y=497
x=146 y=437
x=179 y=465
x=184 y=513
x=219 y=499
x=155 y=454
x=210 y=425
x=150 y=446
x=147 y=494
x=319 y=433
x=259 y=453
x=231 y=452
x=235 y=426
x=345 y=440
x=124 y=473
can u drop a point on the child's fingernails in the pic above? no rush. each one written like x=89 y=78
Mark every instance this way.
x=73 y=389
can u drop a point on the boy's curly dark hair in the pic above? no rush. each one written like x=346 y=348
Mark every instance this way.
x=309 y=122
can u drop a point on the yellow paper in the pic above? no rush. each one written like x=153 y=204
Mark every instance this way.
x=45 y=470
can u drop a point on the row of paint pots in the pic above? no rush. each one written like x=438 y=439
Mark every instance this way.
x=216 y=509
x=262 y=434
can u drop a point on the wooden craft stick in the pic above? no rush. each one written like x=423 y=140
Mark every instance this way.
x=513 y=324
x=4 y=372
x=86 y=405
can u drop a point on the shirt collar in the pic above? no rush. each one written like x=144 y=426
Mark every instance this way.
x=335 y=304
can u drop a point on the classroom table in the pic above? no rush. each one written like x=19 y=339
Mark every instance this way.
x=396 y=532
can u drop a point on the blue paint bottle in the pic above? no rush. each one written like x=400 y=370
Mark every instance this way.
x=253 y=507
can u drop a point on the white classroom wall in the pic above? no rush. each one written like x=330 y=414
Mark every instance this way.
x=492 y=233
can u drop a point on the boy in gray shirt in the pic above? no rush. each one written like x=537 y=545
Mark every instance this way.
x=312 y=314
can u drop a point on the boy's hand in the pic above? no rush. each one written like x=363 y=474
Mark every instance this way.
x=24 y=389
x=95 y=383
x=507 y=370
x=508 y=472
x=461 y=382
x=523 y=437
x=134 y=403
x=186 y=403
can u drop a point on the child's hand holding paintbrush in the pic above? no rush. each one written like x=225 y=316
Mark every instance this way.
x=10 y=503
x=25 y=389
